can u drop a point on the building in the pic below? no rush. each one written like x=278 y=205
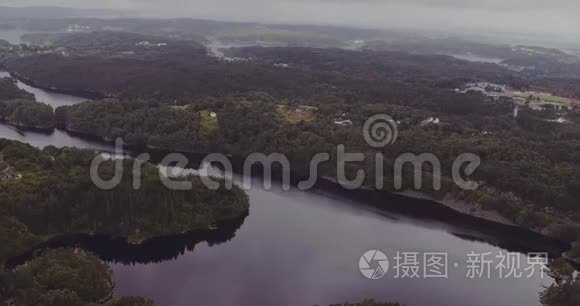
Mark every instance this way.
x=519 y=101
x=343 y=122
x=307 y=108
x=430 y=120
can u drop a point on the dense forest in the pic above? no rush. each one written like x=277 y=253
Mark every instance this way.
x=62 y=277
x=385 y=65
x=519 y=168
x=9 y=90
x=20 y=108
x=521 y=67
x=165 y=101
x=285 y=100
x=565 y=292
x=49 y=193
x=184 y=73
x=55 y=195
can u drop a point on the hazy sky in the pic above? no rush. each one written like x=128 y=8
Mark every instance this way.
x=537 y=16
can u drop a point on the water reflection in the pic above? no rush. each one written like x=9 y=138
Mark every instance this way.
x=429 y=214
x=53 y=99
x=56 y=137
x=156 y=250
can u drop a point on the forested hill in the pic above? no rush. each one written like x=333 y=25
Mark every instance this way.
x=135 y=65
x=546 y=68
x=182 y=80
x=384 y=65
x=109 y=43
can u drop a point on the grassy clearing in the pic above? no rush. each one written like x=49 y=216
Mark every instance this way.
x=545 y=99
x=177 y=107
x=209 y=125
x=295 y=114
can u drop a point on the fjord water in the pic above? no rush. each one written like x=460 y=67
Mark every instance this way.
x=53 y=99
x=303 y=248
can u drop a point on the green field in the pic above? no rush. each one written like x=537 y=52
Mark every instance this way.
x=177 y=107
x=295 y=115
x=544 y=99
x=209 y=125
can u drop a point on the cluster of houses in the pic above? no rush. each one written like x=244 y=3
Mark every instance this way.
x=430 y=120
x=343 y=120
x=59 y=50
x=531 y=99
x=485 y=87
x=147 y=43
x=494 y=91
x=27 y=50
x=75 y=28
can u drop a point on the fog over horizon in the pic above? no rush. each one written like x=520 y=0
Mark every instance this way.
x=524 y=16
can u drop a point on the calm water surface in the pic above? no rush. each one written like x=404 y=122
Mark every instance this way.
x=53 y=99
x=302 y=248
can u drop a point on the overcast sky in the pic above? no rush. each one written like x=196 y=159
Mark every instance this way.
x=536 y=16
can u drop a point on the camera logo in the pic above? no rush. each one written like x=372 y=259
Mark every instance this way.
x=374 y=264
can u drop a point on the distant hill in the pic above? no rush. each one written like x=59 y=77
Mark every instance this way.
x=51 y=12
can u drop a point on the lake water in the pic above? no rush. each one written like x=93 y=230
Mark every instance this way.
x=53 y=99
x=303 y=248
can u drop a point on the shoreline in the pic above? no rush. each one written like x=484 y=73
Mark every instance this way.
x=90 y=95
x=112 y=248
x=449 y=211
x=457 y=206
x=463 y=207
x=26 y=128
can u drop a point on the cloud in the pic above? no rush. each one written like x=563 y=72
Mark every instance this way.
x=492 y=5
x=537 y=16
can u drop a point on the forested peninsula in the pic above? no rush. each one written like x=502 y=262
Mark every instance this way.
x=49 y=193
x=20 y=108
